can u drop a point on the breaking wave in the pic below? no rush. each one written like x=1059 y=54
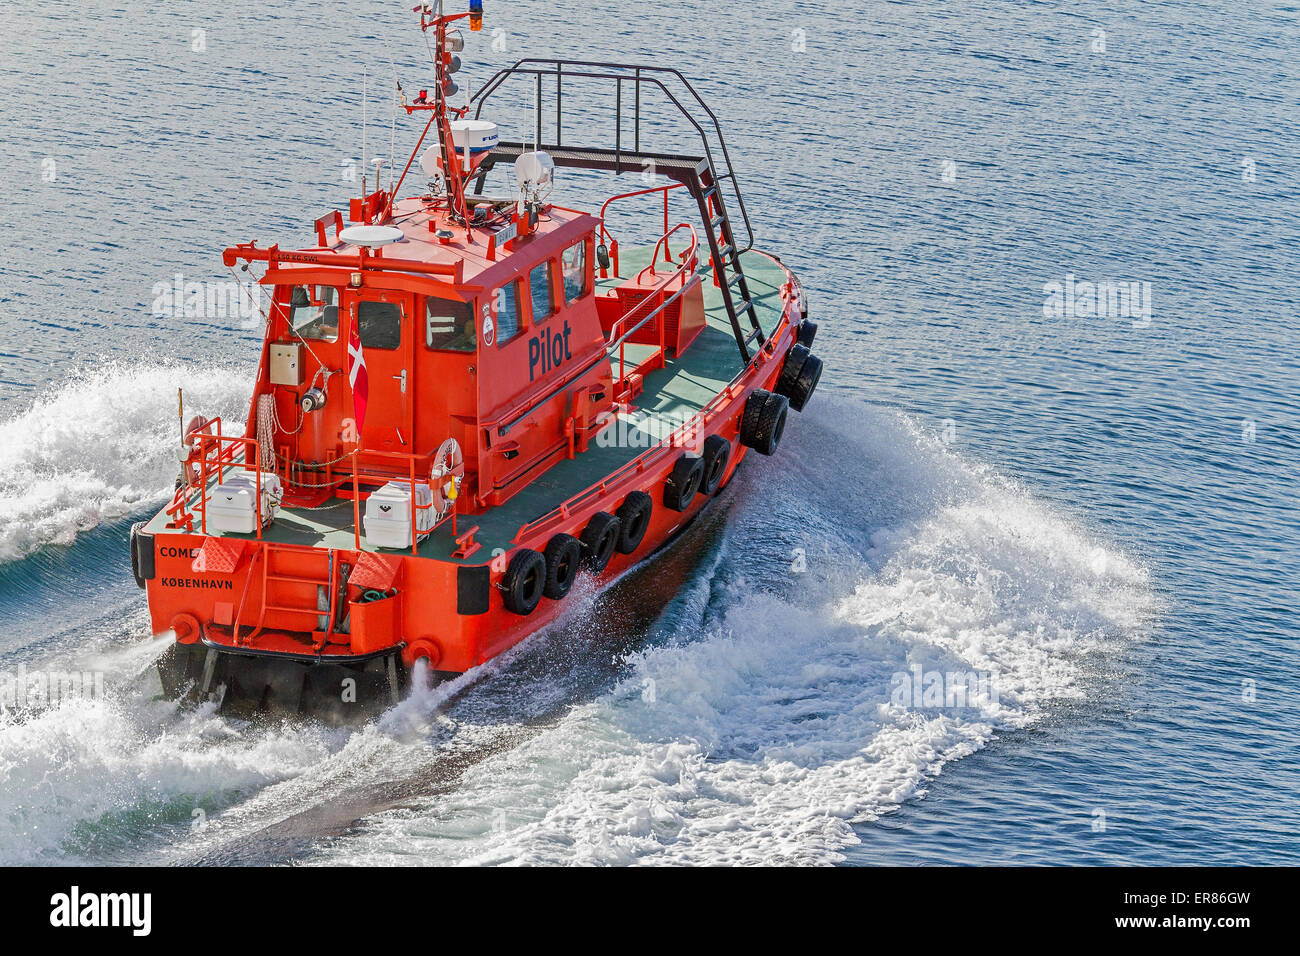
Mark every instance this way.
x=767 y=727
x=100 y=448
x=752 y=716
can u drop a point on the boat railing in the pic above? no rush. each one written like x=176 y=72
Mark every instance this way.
x=215 y=453
x=416 y=509
x=607 y=239
x=637 y=75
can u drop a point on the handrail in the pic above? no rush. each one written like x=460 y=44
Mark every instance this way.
x=224 y=459
x=566 y=508
x=560 y=72
x=688 y=255
x=689 y=263
x=605 y=233
x=525 y=408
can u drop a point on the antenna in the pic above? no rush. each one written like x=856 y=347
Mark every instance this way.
x=364 y=73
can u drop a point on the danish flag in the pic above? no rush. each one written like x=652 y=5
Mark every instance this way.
x=358 y=377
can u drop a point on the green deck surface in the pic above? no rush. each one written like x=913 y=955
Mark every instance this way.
x=673 y=394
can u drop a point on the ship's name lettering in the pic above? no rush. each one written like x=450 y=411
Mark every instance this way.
x=170 y=552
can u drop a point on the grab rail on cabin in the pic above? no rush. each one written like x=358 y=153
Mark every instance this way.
x=620 y=73
x=502 y=424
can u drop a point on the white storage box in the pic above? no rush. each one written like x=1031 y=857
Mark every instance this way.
x=388 y=515
x=231 y=507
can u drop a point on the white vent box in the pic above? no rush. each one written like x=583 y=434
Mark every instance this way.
x=387 y=521
x=232 y=506
x=286 y=364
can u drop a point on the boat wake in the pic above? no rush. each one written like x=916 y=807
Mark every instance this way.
x=100 y=448
x=753 y=695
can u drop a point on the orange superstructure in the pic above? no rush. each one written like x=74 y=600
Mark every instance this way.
x=462 y=403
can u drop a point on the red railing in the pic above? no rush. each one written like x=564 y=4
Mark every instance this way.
x=358 y=477
x=657 y=302
x=592 y=496
x=225 y=447
x=609 y=241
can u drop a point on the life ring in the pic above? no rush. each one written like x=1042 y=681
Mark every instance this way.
x=192 y=446
x=445 y=477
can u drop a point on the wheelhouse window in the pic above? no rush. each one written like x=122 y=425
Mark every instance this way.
x=574 y=262
x=449 y=325
x=379 y=325
x=540 y=292
x=508 y=324
x=314 y=312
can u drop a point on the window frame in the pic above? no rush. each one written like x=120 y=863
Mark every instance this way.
x=337 y=306
x=401 y=315
x=549 y=265
x=472 y=319
x=519 y=288
x=588 y=274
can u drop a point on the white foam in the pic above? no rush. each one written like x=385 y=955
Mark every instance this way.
x=101 y=447
x=768 y=735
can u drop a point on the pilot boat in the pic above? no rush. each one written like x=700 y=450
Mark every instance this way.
x=465 y=403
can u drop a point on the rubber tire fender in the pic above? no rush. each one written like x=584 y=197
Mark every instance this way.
x=633 y=520
x=790 y=369
x=524 y=581
x=137 y=570
x=807 y=331
x=806 y=383
x=683 y=482
x=717 y=453
x=599 y=541
x=763 y=422
x=563 y=558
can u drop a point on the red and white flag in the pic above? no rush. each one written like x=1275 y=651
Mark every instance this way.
x=359 y=378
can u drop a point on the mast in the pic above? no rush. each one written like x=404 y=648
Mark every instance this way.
x=445 y=64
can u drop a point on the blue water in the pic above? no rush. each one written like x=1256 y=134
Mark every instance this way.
x=1101 y=511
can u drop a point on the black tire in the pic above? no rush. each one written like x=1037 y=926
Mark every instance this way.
x=790 y=369
x=563 y=558
x=599 y=541
x=633 y=520
x=524 y=580
x=717 y=452
x=683 y=482
x=136 y=571
x=763 y=422
x=749 y=417
x=807 y=332
x=806 y=384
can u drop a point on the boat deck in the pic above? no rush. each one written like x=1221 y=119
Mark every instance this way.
x=671 y=394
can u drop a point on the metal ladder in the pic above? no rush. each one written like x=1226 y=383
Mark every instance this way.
x=728 y=273
x=697 y=173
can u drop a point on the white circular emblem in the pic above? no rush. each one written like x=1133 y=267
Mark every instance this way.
x=489 y=330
